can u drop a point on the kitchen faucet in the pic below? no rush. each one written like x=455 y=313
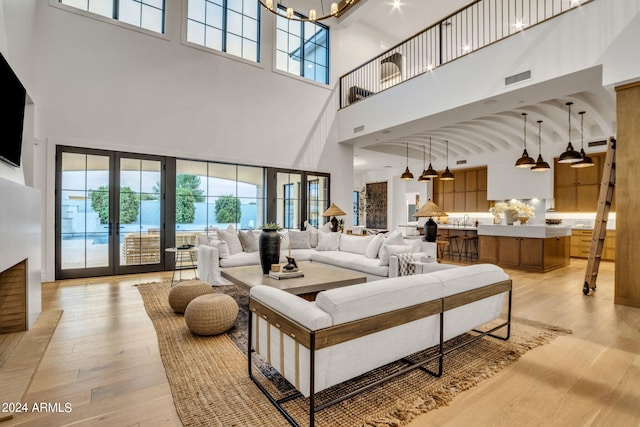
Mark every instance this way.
x=466 y=220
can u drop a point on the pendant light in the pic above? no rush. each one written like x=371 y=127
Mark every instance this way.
x=423 y=177
x=570 y=155
x=525 y=161
x=541 y=165
x=407 y=175
x=447 y=175
x=431 y=172
x=586 y=160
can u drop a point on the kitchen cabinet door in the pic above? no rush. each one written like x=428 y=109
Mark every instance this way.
x=531 y=252
x=509 y=251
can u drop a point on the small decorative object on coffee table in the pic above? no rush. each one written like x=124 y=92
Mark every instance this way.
x=291 y=266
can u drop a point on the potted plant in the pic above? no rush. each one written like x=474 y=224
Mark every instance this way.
x=269 y=245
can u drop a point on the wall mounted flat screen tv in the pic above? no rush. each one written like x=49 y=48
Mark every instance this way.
x=12 y=120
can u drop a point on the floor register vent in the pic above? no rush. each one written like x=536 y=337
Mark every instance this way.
x=525 y=75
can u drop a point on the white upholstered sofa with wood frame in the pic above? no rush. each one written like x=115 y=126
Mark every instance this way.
x=349 y=331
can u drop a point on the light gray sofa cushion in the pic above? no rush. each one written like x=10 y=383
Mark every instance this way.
x=369 y=299
x=351 y=261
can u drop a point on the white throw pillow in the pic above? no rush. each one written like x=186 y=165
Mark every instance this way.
x=326 y=228
x=394 y=238
x=284 y=240
x=223 y=248
x=232 y=239
x=387 y=250
x=355 y=244
x=313 y=234
x=203 y=239
x=374 y=246
x=248 y=240
x=299 y=239
x=328 y=241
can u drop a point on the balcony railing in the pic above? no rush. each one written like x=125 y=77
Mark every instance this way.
x=478 y=25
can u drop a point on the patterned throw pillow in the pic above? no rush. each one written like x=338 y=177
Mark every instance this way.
x=299 y=239
x=328 y=241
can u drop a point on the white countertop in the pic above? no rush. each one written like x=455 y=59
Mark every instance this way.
x=534 y=231
x=456 y=227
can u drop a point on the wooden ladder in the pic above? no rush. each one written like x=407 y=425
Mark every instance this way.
x=602 y=215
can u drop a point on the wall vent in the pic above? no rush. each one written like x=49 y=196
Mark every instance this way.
x=358 y=129
x=461 y=162
x=597 y=143
x=525 y=75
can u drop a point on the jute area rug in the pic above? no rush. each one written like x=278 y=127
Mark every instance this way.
x=211 y=387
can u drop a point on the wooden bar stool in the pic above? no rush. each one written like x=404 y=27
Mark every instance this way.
x=469 y=247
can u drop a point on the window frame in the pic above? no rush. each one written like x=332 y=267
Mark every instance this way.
x=224 y=30
x=303 y=42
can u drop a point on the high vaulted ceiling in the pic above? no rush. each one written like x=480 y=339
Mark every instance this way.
x=491 y=125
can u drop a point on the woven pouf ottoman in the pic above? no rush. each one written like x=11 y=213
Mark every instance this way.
x=211 y=314
x=183 y=293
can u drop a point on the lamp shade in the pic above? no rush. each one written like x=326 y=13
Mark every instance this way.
x=429 y=209
x=333 y=211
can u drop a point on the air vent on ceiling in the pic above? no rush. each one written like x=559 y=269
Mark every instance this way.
x=358 y=129
x=597 y=143
x=525 y=75
x=461 y=162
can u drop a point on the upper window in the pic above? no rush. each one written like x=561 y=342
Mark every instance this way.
x=230 y=26
x=147 y=14
x=302 y=48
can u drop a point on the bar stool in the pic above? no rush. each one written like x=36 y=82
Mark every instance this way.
x=451 y=239
x=469 y=247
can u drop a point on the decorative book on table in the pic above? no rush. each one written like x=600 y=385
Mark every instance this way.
x=286 y=274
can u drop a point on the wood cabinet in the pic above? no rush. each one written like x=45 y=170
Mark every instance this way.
x=581 y=244
x=467 y=193
x=535 y=254
x=577 y=189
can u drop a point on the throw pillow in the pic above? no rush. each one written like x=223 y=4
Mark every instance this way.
x=355 y=244
x=387 y=250
x=284 y=240
x=299 y=239
x=248 y=240
x=232 y=240
x=223 y=248
x=394 y=238
x=203 y=239
x=313 y=234
x=326 y=228
x=374 y=246
x=328 y=241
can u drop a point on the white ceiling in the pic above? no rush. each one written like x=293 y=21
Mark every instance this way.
x=490 y=126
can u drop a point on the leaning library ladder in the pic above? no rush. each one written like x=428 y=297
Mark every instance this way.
x=607 y=187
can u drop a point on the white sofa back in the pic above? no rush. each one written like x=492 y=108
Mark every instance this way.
x=348 y=359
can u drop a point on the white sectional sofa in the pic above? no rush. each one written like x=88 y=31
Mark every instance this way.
x=376 y=256
x=349 y=331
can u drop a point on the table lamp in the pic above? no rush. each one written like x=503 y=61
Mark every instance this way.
x=430 y=210
x=334 y=211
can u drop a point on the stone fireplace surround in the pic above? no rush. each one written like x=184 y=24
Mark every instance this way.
x=21 y=240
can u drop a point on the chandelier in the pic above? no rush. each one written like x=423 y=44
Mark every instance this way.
x=324 y=9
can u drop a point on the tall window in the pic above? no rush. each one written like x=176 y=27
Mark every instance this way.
x=230 y=26
x=302 y=48
x=147 y=14
x=356 y=211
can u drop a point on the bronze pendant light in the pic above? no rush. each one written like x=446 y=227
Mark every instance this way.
x=407 y=175
x=430 y=172
x=570 y=155
x=541 y=165
x=586 y=161
x=447 y=175
x=525 y=161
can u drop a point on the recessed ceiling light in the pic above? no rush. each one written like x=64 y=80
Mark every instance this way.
x=396 y=4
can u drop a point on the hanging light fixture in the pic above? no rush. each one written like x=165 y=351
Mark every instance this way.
x=541 y=165
x=570 y=155
x=325 y=9
x=407 y=175
x=430 y=172
x=423 y=177
x=447 y=175
x=525 y=161
x=586 y=160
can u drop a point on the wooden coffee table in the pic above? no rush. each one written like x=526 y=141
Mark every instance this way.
x=317 y=277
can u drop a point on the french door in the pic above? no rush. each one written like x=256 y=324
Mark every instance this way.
x=110 y=210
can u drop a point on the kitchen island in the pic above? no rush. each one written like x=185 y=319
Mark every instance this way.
x=527 y=247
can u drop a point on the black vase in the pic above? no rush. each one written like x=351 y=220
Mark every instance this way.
x=431 y=230
x=269 y=246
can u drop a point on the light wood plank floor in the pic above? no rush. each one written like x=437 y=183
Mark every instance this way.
x=103 y=359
